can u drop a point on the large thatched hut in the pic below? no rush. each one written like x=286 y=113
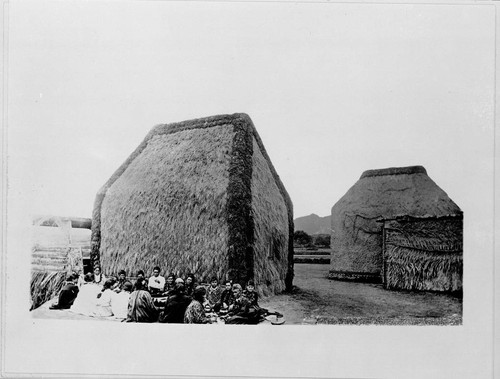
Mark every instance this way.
x=198 y=196
x=396 y=226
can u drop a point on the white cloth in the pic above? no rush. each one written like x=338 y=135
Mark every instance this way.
x=103 y=308
x=119 y=304
x=86 y=300
x=157 y=282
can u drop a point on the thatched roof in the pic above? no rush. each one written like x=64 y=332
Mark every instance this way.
x=189 y=198
x=397 y=191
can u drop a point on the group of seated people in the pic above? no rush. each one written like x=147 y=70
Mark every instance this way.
x=170 y=300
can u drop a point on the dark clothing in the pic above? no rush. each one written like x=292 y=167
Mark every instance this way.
x=214 y=295
x=190 y=289
x=141 y=307
x=243 y=312
x=226 y=297
x=169 y=289
x=253 y=297
x=175 y=309
x=66 y=297
x=121 y=284
x=144 y=284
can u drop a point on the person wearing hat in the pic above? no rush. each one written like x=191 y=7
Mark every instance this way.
x=68 y=293
x=195 y=312
x=176 y=305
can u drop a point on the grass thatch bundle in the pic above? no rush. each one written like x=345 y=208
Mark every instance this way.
x=45 y=285
x=423 y=254
x=380 y=194
x=199 y=196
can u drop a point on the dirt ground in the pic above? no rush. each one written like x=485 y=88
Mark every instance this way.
x=317 y=299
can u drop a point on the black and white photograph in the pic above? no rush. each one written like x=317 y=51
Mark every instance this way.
x=249 y=189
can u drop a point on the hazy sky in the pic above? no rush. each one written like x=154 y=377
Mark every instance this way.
x=333 y=90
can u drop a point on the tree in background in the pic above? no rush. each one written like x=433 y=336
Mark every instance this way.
x=301 y=238
x=322 y=240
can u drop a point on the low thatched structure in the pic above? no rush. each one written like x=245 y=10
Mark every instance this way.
x=199 y=196
x=60 y=246
x=388 y=194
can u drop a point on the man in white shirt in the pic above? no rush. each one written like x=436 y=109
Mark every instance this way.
x=156 y=283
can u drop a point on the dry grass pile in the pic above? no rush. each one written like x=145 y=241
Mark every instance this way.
x=45 y=285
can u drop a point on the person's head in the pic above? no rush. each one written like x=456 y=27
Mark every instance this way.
x=190 y=279
x=170 y=278
x=72 y=277
x=237 y=290
x=250 y=286
x=179 y=285
x=121 y=275
x=156 y=271
x=140 y=284
x=97 y=270
x=228 y=285
x=89 y=277
x=127 y=287
x=199 y=294
x=140 y=274
x=214 y=282
x=108 y=284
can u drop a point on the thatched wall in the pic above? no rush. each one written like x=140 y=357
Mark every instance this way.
x=183 y=201
x=380 y=194
x=159 y=210
x=423 y=254
x=271 y=228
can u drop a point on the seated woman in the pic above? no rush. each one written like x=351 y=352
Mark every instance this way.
x=103 y=306
x=176 y=305
x=119 y=301
x=241 y=311
x=121 y=282
x=226 y=298
x=195 y=312
x=141 y=277
x=141 y=307
x=86 y=301
x=68 y=293
x=169 y=285
x=190 y=284
x=99 y=277
x=214 y=293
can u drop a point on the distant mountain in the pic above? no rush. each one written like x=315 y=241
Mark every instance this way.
x=313 y=224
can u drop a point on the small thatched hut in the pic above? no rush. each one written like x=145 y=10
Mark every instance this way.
x=60 y=245
x=198 y=196
x=379 y=200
